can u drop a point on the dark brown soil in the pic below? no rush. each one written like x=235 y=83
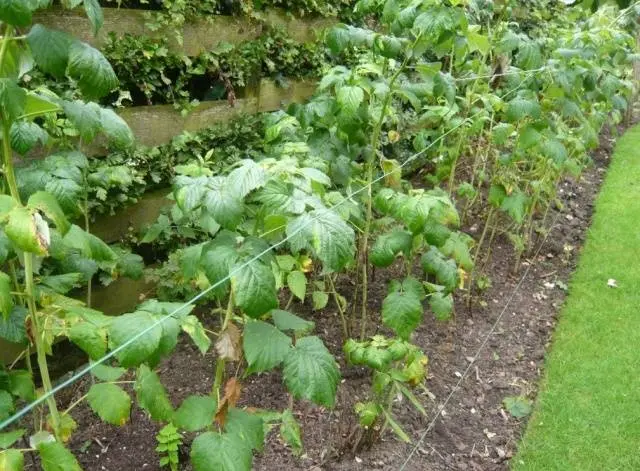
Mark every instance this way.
x=473 y=432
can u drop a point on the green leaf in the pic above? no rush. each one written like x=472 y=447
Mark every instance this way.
x=88 y=245
x=6 y=300
x=86 y=118
x=311 y=372
x=21 y=230
x=254 y=289
x=152 y=395
x=286 y=321
x=478 y=42
x=213 y=451
x=21 y=385
x=91 y=70
x=55 y=457
x=249 y=427
x=9 y=438
x=324 y=232
x=388 y=245
x=50 y=49
x=442 y=305
x=36 y=106
x=116 y=129
x=110 y=402
x=6 y=404
x=290 y=432
x=91 y=340
x=11 y=460
x=15 y=12
x=337 y=39
x=107 y=373
x=223 y=203
x=94 y=13
x=128 y=326
x=12 y=99
x=350 y=98
x=501 y=133
x=47 y=203
x=13 y=329
x=265 y=347
x=319 y=300
x=194 y=329
x=25 y=135
x=518 y=406
x=445 y=270
x=457 y=247
x=297 y=283
x=515 y=205
x=195 y=413
x=520 y=108
x=246 y=178
x=402 y=312
x=396 y=427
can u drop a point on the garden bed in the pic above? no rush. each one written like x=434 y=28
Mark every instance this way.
x=474 y=431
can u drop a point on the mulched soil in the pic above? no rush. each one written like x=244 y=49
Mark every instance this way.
x=473 y=432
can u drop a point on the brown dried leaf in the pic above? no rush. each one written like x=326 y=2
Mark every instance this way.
x=228 y=344
x=232 y=392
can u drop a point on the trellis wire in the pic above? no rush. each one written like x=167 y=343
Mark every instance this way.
x=29 y=407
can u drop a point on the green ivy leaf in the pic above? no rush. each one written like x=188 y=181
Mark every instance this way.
x=6 y=300
x=311 y=372
x=91 y=70
x=15 y=12
x=265 y=347
x=47 y=203
x=128 y=326
x=402 y=312
x=286 y=321
x=324 y=232
x=254 y=289
x=55 y=457
x=110 y=402
x=195 y=413
x=297 y=283
x=12 y=460
x=442 y=305
x=152 y=395
x=213 y=451
x=50 y=49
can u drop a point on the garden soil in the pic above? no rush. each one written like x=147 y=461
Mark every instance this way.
x=474 y=431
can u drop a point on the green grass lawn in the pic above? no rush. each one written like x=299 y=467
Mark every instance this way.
x=587 y=416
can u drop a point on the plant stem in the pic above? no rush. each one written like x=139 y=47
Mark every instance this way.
x=345 y=328
x=364 y=246
x=29 y=290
